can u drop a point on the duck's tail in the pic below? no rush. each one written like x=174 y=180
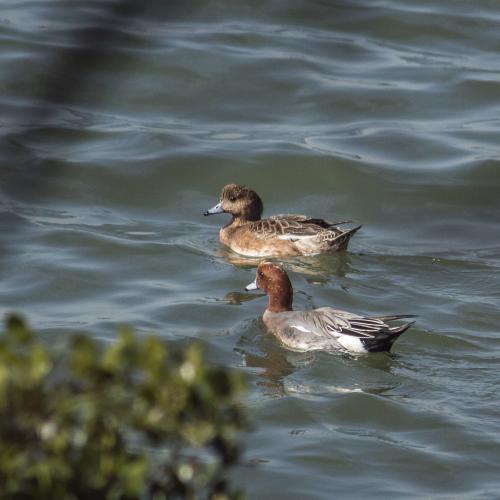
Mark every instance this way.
x=384 y=341
x=342 y=240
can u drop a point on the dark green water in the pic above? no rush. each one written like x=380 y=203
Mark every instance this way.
x=385 y=112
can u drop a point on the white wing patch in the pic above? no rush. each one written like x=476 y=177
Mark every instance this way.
x=301 y=328
x=351 y=343
x=293 y=237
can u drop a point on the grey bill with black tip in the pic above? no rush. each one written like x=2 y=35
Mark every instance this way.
x=215 y=210
x=252 y=286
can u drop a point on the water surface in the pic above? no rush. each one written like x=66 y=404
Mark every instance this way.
x=383 y=112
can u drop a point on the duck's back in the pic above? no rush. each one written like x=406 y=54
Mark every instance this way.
x=286 y=235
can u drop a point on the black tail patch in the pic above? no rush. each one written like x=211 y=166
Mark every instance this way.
x=384 y=340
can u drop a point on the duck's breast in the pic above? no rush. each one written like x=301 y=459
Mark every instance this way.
x=244 y=241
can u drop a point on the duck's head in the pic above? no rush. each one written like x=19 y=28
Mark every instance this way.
x=272 y=279
x=239 y=201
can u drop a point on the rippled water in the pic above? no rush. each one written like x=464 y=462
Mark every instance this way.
x=385 y=112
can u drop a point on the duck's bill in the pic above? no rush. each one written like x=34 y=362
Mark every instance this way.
x=215 y=210
x=252 y=286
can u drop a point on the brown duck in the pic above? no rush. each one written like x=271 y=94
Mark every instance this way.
x=279 y=235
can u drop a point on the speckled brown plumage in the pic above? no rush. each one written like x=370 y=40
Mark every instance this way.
x=279 y=235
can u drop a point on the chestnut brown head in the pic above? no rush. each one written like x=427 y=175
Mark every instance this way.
x=272 y=279
x=239 y=201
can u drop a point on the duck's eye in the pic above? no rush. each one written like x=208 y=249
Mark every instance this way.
x=232 y=198
x=261 y=274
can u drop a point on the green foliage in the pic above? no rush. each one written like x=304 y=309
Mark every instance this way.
x=138 y=419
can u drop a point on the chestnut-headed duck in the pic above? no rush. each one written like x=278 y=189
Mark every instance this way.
x=324 y=328
x=279 y=235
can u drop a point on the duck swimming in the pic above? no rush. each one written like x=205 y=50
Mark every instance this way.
x=278 y=235
x=324 y=328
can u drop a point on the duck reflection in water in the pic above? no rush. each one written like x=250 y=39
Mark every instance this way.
x=317 y=270
x=276 y=363
x=324 y=374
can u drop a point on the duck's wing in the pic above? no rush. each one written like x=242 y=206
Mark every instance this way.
x=337 y=323
x=292 y=227
x=327 y=328
x=305 y=219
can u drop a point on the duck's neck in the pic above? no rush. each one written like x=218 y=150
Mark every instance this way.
x=280 y=298
x=240 y=220
x=248 y=213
